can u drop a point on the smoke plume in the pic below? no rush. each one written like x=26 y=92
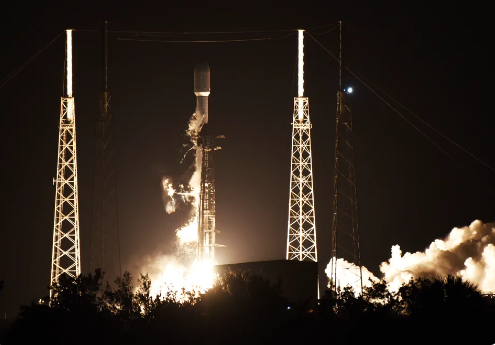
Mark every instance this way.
x=179 y=273
x=195 y=125
x=190 y=195
x=168 y=195
x=467 y=252
x=347 y=275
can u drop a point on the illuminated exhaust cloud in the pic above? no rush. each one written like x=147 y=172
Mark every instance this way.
x=179 y=273
x=467 y=252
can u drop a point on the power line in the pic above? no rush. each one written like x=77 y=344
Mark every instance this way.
x=183 y=33
x=433 y=128
x=25 y=64
x=323 y=26
x=404 y=118
x=206 y=41
x=162 y=33
x=190 y=32
x=192 y=41
x=329 y=30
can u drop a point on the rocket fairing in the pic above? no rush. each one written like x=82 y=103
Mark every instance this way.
x=202 y=89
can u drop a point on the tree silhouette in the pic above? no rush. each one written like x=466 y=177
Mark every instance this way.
x=245 y=304
x=244 y=308
x=449 y=296
x=79 y=294
x=121 y=301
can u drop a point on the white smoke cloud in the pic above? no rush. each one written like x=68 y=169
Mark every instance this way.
x=348 y=275
x=180 y=273
x=188 y=233
x=467 y=252
x=169 y=194
x=196 y=122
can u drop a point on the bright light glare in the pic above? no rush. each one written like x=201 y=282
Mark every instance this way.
x=180 y=280
x=69 y=62
x=349 y=90
x=300 y=91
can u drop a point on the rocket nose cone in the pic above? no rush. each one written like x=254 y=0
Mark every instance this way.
x=202 y=77
x=202 y=67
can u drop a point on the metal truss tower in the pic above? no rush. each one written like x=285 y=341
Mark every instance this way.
x=66 y=258
x=205 y=150
x=206 y=219
x=105 y=237
x=301 y=236
x=345 y=234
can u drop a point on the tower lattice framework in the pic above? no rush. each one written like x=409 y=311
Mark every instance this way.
x=345 y=232
x=301 y=237
x=206 y=219
x=66 y=259
x=105 y=237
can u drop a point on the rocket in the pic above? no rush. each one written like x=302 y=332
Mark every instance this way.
x=202 y=89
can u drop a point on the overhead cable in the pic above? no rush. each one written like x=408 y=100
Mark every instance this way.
x=404 y=118
x=25 y=64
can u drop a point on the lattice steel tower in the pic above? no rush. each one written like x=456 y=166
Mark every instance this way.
x=301 y=234
x=66 y=258
x=206 y=223
x=205 y=149
x=105 y=237
x=345 y=234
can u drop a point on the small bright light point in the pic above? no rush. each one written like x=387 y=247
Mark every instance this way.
x=349 y=90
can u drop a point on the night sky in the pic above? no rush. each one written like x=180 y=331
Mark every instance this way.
x=433 y=59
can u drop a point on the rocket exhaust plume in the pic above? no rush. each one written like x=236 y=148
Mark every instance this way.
x=467 y=252
x=180 y=274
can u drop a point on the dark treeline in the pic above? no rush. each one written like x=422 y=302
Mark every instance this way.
x=247 y=309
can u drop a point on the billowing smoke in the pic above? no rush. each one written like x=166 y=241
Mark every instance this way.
x=179 y=273
x=196 y=123
x=348 y=275
x=172 y=197
x=467 y=252
x=169 y=194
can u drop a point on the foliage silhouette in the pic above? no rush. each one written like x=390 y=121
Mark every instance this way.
x=244 y=308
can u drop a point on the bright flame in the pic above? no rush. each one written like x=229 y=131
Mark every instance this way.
x=167 y=274
x=169 y=277
x=189 y=232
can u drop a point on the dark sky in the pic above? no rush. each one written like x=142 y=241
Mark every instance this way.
x=432 y=58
